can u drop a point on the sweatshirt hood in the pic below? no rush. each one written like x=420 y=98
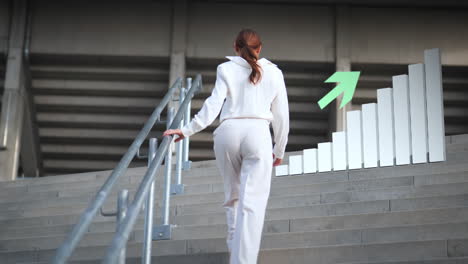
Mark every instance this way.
x=242 y=62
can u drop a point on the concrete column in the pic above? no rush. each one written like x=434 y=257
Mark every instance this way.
x=178 y=47
x=11 y=121
x=343 y=62
x=178 y=40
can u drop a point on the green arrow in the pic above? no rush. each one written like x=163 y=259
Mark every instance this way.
x=347 y=85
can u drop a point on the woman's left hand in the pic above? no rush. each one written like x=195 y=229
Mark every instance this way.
x=276 y=161
x=177 y=132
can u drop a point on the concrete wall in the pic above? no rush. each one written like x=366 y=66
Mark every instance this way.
x=100 y=67
x=399 y=35
x=296 y=32
x=125 y=28
x=289 y=32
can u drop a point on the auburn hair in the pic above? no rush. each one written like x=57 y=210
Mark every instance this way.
x=246 y=43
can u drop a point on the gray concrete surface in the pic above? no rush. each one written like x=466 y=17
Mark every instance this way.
x=404 y=214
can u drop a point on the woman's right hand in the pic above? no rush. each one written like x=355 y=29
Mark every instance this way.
x=276 y=162
x=177 y=132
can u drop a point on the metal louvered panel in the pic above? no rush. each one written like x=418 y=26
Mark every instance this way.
x=90 y=109
x=455 y=83
x=304 y=82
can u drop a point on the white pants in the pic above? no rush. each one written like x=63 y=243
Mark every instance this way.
x=243 y=150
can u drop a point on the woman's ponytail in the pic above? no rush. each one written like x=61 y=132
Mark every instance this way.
x=247 y=42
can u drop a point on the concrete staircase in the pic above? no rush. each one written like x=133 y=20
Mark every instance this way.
x=402 y=214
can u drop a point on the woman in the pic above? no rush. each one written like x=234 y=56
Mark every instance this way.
x=252 y=94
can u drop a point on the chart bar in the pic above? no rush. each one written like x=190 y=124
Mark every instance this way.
x=324 y=157
x=309 y=161
x=281 y=170
x=402 y=119
x=418 y=113
x=435 y=105
x=369 y=135
x=385 y=125
x=339 y=151
x=354 y=139
x=295 y=164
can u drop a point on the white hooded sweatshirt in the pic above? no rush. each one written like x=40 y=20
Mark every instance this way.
x=239 y=98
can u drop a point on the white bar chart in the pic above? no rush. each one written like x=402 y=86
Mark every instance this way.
x=405 y=126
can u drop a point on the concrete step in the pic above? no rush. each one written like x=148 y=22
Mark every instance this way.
x=356 y=252
x=204 y=182
x=200 y=186
x=339 y=197
x=446 y=260
x=307 y=183
x=314 y=210
x=454 y=144
x=302 y=185
x=75 y=178
x=456 y=158
x=397 y=252
x=95 y=183
x=461 y=138
x=221 y=258
x=285 y=197
x=337 y=209
x=78 y=178
x=209 y=175
x=294 y=196
x=454 y=163
x=197 y=245
x=203 y=169
x=429 y=216
x=86 y=181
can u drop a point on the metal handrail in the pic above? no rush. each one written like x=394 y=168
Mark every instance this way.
x=4 y=118
x=75 y=235
x=125 y=228
x=6 y=115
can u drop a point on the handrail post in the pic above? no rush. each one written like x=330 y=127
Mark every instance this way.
x=186 y=162
x=120 y=214
x=178 y=188
x=164 y=230
x=168 y=172
x=5 y=115
x=122 y=205
x=148 y=236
